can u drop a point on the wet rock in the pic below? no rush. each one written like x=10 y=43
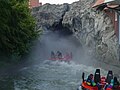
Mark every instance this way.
x=94 y=29
x=49 y=15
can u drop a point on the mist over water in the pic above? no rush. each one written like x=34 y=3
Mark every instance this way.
x=65 y=42
x=39 y=73
x=57 y=41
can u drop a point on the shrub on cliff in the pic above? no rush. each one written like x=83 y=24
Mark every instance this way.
x=17 y=27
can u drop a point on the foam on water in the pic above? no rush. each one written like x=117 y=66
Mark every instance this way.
x=53 y=75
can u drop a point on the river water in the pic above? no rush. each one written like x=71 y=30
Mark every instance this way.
x=47 y=75
x=39 y=73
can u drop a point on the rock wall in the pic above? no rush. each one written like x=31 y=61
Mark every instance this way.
x=93 y=29
x=49 y=16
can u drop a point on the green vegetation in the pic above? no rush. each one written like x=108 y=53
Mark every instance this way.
x=17 y=27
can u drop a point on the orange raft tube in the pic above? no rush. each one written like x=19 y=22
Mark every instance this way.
x=114 y=89
x=60 y=59
x=101 y=80
x=85 y=86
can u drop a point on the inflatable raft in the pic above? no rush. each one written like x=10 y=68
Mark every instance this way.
x=102 y=82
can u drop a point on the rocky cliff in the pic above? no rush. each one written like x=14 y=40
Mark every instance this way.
x=93 y=29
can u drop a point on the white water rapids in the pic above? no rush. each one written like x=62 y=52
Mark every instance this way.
x=52 y=75
x=38 y=73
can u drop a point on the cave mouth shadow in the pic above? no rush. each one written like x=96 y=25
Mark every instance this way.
x=58 y=26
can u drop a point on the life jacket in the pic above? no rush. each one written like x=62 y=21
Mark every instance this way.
x=103 y=83
x=90 y=81
x=103 y=80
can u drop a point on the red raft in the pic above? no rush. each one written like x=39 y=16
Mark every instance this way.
x=60 y=59
x=87 y=87
x=67 y=57
x=103 y=82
